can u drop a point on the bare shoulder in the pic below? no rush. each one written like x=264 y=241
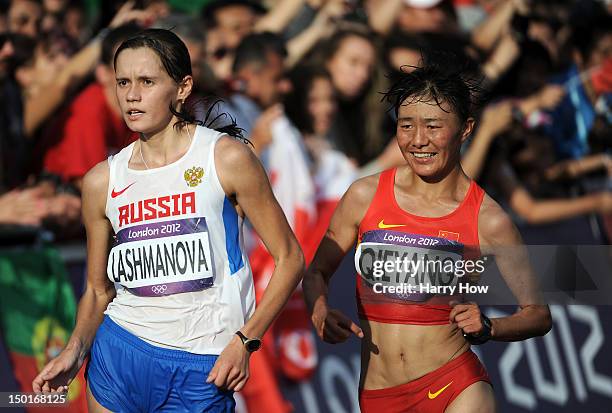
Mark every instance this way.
x=356 y=201
x=495 y=227
x=95 y=190
x=232 y=153
x=362 y=190
x=237 y=166
x=97 y=178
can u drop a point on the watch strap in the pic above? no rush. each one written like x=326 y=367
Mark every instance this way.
x=250 y=344
x=484 y=336
x=243 y=338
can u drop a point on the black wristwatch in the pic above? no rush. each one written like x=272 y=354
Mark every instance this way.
x=482 y=337
x=250 y=344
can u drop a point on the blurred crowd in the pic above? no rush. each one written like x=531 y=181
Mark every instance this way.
x=304 y=80
x=314 y=70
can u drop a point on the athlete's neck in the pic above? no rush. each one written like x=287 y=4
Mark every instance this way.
x=167 y=145
x=431 y=189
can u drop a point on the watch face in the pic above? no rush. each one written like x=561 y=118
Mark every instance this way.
x=252 y=345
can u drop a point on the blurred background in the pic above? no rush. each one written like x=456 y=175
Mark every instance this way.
x=304 y=79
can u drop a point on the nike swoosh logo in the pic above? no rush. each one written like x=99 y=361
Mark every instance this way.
x=382 y=225
x=436 y=394
x=115 y=194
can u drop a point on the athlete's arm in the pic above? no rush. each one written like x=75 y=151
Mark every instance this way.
x=331 y=325
x=99 y=292
x=244 y=180
x=499 y=237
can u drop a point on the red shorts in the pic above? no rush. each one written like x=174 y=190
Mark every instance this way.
x=431 y=393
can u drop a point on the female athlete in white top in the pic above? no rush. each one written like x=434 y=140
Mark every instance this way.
x=176 y=285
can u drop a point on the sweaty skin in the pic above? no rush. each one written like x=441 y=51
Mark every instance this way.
x=394 y=354
x=145 y=91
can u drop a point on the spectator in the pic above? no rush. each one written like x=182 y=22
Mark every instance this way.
x=228 y=22
x=231 y=20
x=311 y=106
x=350 y=56
x=548 y=25
x=24 y=17
x=12 y=144
x=58 y=84
x=312 y=103
x=302 y=77
x=18 y=205
x=521 y=166
x=15 y=207
x=405 y=51
x=91 y=127
x=260 y=81
x=574 y=118
x=190 y=30
x=36 y=65
x=412 y=16
x=520 y=172
x=66 y=18
x=419 y=16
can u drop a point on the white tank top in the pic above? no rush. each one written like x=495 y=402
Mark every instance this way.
x=178 y=261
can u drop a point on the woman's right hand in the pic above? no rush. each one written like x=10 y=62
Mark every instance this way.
x=57 y=375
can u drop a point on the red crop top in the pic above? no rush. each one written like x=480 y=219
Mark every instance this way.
x=387 y=233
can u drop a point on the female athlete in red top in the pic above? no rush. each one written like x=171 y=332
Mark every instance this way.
x=415 y=341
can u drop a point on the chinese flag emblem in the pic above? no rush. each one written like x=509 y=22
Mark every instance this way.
x=453 y=236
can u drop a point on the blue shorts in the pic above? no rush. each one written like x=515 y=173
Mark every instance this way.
x=127 y=374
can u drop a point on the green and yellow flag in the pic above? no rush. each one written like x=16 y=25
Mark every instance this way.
x=37 y=315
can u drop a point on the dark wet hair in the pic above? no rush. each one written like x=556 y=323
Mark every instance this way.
x=296 y=102
x=423 y=43
x=441 y=78
x=175 y=60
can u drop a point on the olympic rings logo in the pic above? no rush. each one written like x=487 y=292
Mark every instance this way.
x=159 y=289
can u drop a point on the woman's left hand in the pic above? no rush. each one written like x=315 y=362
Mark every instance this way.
x=468 y=318
x=231 y=370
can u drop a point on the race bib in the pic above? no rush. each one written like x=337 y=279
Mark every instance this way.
x=163 y=258
x=406 y=266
